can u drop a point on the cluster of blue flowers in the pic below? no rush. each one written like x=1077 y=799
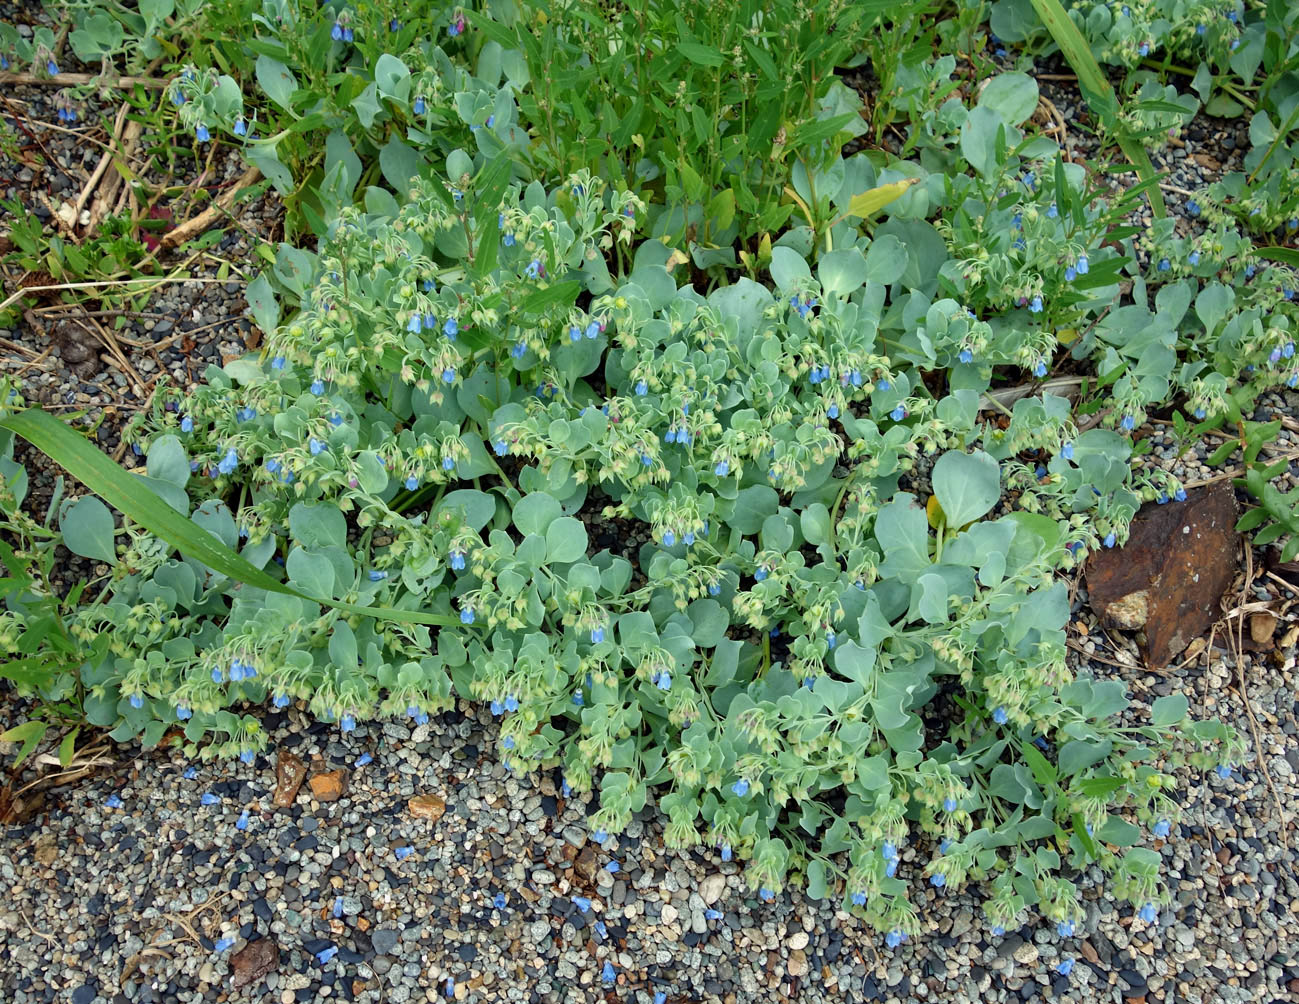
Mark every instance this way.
x=341 y=32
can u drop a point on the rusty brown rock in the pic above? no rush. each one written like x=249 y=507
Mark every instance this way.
x=1262 y=626
x=289 y=773
x=586 y=863
x=255 y=960
x=430 y=807
x=328 y=787
x=1168 y=578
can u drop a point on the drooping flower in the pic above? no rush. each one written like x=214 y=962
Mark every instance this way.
x=740 y=787
x=999 y=716
x=201 y=134
x=1065 y=967
x=1148 y=913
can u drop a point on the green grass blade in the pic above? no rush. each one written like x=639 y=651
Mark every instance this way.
x=130 y=496
x=1286 y=256
x=1098 y=92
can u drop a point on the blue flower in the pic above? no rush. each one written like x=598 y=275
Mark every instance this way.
x=448 y=376
x=722 y=468
x=246 y=756
x=833 y=411
x=190 y=773
x=688 y=538
x=242 y=822
x=511 y=703
x=669 y=538
x=414 y=324
x=241 y=127
x=317 y=387
x=1127 y=423
x=966 y=356
x=607 y=974
x=1082 y=265
x=898 y=413
x=1065 y=928
x=420 y=105
x=1194 y=257
x=998 y=930
x=364 y=759
x=1039 y=370
x=1143 y=49
x=187 y=424
x=325 y=954
x=229 y=462
x=183 y=713
x=726 y=852
x=209 y=799
x=830 y=639
x=347 y=723
x=315 y=446
x=659 y=996
x=714 y=589
x=664 y=681
x=999 y=716
x=1249 y=271
x=1065 y=967
x=949 y=805
x=1148 y=913
x=201 y=133
x=740 y=787
x=394 y=26
x=889 y=851
x=593 y=330
x=402 y=853
x=938 y=880
x=217 y=675
x=1110 y=539
x=281 y=701
x=1035 y=307
x=498 y=901
x=582 y=903
x=760 y=573
x=1223 y=772
x=597 y=635
x=894 y=938
x=1180 y=495
x=882 y=385
x=136 y=701
x=533 y=271
x=1069 y=273
x=338 y=907
x=458 y=560
x=113 y=802
x=347 y=35
x=767 y=894
x=1164 y=264
x=1052 y=213
x=336 y=32
x=467 y=615
x=224 y=944
x=1066 y=450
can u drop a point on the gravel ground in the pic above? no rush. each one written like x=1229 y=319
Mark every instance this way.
x=126 y=888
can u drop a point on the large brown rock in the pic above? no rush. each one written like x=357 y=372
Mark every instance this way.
x=329 y=786
x=255 y=960
x=289 y=773
x=1168 y=578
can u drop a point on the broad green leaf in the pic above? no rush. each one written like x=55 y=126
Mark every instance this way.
x=842 y=272
x=1013 y=96
x=534 y=513
x=967 y=485
x=277 y=80
x=1169 y=710
x=565 y=540
x=88 y=529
